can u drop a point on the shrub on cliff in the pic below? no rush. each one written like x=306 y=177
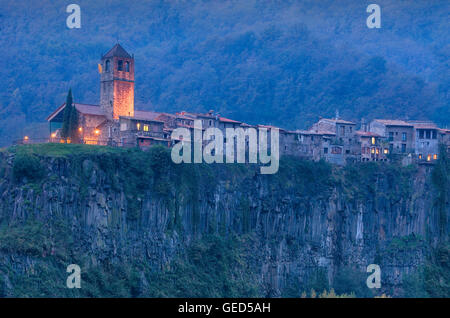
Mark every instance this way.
x=433 y=278
x=27 y=167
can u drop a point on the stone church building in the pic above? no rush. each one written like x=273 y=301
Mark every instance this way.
x=114 y=121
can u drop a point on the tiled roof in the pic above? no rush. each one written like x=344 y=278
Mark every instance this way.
x=146 y=115
x=86 y=109
x=339 y=121
x=366 y=133
x=393 y=122
x=226 y=120
x=271 y=127
x=424 y=124
x=143 y=119
x=90 y=109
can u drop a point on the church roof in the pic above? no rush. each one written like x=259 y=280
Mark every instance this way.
x=90 y=109
x=82 y=108
x=117 y=51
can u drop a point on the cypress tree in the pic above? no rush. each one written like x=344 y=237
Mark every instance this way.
x=65 y=130
x=73 y=127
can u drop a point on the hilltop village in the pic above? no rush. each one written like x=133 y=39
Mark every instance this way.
x=115 y=122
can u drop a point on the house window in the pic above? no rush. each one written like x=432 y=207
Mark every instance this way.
x=428 y=134
x=325 y=150
x=373 y=150
x=420 y=156
x=145 y=127
x=391 y=136
x=350 y=129
x=336 y=150
x=343 y=130
x=138 y=126
x=435 y=156
x=434 y=134
x=377 y=151
x=123 y=126
x=127 y=66
x=107 y=66
x=403 y=147
x=404 y=136
x=420 y=134
x=429 y=158
x=386 y=151
x=210 y=123
x=120 y=65
x=373 y=140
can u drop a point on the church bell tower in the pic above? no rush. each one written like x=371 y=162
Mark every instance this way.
x=117 y=83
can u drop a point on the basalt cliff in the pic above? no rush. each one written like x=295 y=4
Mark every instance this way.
x=140 y=226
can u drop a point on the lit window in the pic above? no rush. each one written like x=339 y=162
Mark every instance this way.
x=97 y=132
x=386 y=151
x=138 y=126
x=378 y=151
x=145 y=127
x=420 y=156
x=435 y=156
x=373 y=140
x=429 y=158
x=373 y=150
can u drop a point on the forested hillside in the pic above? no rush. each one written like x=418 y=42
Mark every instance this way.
x=278 y=62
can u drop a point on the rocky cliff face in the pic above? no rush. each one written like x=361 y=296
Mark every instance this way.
x=309 y=226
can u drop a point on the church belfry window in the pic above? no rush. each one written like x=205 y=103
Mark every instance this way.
x=127 y=66
x=120 y=65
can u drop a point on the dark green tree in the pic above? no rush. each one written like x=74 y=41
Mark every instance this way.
x=73 y=125
x=70 y=120
x=66 y=116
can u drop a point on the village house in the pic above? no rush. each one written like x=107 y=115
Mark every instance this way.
x=399 y=133
x=340 y=144
x=427 y=138
x=373 y=146
x=116 y=122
